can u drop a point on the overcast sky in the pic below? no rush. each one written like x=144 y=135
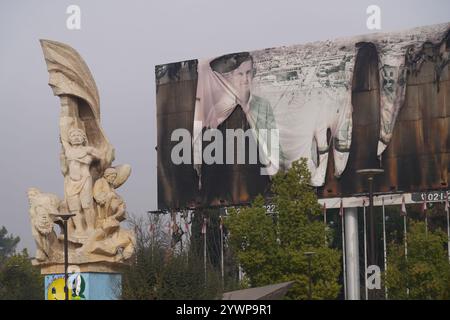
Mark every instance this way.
x=122 y=41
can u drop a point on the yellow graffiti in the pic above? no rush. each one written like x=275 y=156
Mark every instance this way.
x=55 y=290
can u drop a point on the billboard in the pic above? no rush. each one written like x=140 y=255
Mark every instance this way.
x=225 y=125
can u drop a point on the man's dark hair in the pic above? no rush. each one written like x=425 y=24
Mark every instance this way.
x=230 y=62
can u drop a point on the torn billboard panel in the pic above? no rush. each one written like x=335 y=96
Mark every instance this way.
x=335 y=103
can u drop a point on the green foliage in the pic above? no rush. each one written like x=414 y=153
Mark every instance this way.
x=7 y=244
x=180 y=277
x=185 y=279
x=271 y=249
x=426 y=271
x=159 y=272
x=19 y=280
x=213 y=254
x=212 y=234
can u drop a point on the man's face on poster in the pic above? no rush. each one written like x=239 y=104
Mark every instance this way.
x=242 y=78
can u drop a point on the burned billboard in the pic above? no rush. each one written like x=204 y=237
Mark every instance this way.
x=227 y=124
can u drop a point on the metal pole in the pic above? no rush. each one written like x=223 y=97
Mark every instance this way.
x=365 y=253
x=406 y=247
x=204 y=248
x=424 y=208
x=152 y=239
x=66 y=261
x=180 y=229
x=352 y=253
x=221 y=253
x=64 y=218
x=370 y=173
x=371 y=224
x=384 y=249
x=172 y=226
x=310 y=279
x=448 y=235
x=405 y=237
x=188 y=240
x=343 y=257
x=325 y=222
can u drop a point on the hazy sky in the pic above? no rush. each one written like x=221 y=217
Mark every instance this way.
x=122 y=41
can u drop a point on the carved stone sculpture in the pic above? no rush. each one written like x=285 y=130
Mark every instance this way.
x=78 y=180
x=90 y=180
x=43 y=211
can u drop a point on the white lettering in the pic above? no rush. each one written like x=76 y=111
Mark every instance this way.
x=73 y=22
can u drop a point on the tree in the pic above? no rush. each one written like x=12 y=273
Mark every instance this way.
x=425 y=272
x=271 y=248
x=213 y=245
x=183 y=279
x=7 y=244
x=159 y=272
x=19 y=279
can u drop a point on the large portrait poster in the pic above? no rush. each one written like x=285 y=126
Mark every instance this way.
x=227 y=124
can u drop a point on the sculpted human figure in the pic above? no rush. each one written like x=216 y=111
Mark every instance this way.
x=43 y=211
x=78 y=181
x=104 y=194
x=109 y=239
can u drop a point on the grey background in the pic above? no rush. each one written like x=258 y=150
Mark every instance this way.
x=122 y=41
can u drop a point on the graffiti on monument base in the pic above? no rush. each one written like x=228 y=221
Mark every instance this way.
x=76 y=283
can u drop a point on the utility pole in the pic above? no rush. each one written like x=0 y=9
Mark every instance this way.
x=64 y=218
x=372 y=254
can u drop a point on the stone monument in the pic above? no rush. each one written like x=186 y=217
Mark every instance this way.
x=97 y=244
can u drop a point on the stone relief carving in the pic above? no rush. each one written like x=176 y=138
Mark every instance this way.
x=43 y=211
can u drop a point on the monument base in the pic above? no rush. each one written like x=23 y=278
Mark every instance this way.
x=94 y=281
x=84 y=286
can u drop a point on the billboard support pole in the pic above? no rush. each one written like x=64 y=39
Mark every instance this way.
x=352 y=253
x=344 y=269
